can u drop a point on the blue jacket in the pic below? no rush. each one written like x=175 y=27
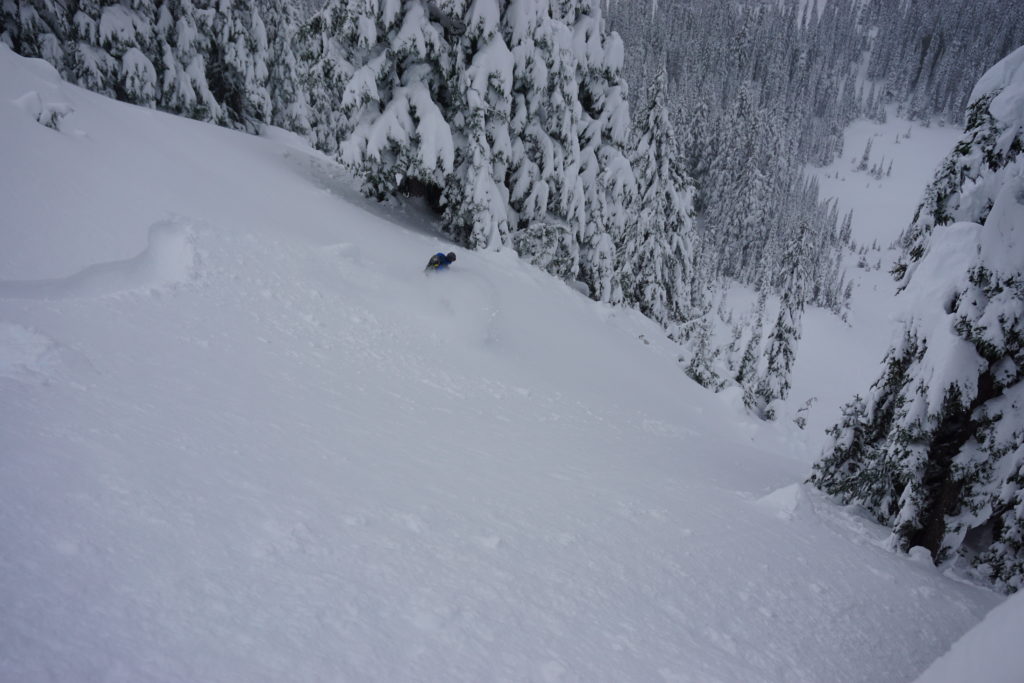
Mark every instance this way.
x=439 y=261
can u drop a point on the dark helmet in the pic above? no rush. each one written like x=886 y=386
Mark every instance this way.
x=451 y=256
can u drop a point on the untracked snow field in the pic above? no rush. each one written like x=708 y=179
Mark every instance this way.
x=244 y=438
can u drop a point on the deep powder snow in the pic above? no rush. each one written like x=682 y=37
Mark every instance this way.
x=243 y=438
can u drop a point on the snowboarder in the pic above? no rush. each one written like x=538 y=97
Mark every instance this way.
x=440 y=261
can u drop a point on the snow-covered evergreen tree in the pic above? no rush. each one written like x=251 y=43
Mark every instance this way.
x=125 y=36
x=476 y=197
x=395 y=129
x=930 y=53
x=237 y=63
x=747 y=372
x=183 y=34
x=938 y=452
x=865 y=157
x=605 y=174
x=736 y=215
x=36 y=28
x=551 y=141
x=701 y=367
x=87 y=63
x=774 y=385
x=288 y=100
x=527 y=30
x=327 y=46
x=207 y=60
x=764 y=88
x=511 y=116
x=543 y=129
x=655 y=263
x=697 y=143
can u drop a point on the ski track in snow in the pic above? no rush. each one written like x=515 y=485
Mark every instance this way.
x=316 y=463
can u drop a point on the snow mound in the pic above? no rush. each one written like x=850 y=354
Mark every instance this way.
x=47 y=113
x=989 y=652
x=168 y=259
x=786 y=501
x=1006 y=76
x=1003 y=243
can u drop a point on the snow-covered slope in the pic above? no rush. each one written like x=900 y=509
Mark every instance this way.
x=244 y=438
